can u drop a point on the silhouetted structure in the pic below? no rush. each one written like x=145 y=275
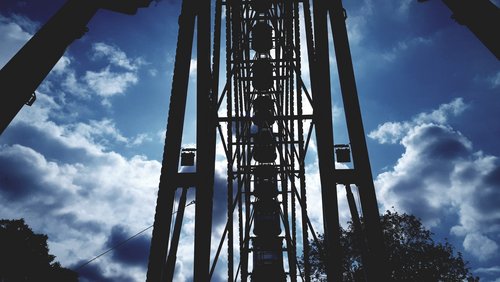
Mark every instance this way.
x=481 y=17
x=266 y=137
x=22 y=75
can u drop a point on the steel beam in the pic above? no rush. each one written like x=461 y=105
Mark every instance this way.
x=364 y=179
x=205 y=140
x=322 y=107
x=230 y=159
x=173 y=139
x=172 y=254
x=481 y=17
x=22 y=75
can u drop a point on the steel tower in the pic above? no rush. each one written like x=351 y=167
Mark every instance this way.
x=264 y=117
x=260 y=118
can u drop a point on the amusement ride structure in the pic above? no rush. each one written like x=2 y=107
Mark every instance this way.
x=259 y=117
x=269 y=108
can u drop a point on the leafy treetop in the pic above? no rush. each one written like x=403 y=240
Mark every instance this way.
x=412 y=253
x=24 y=256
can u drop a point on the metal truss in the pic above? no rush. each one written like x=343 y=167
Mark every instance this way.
x=260 y=119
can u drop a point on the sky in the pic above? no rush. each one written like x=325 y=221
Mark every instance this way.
x=82 y=163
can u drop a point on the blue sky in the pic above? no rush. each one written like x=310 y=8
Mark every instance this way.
x=82 y=164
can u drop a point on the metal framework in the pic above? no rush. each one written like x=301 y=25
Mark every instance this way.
x=47 y=46
x=260 y=120
x=40 y=54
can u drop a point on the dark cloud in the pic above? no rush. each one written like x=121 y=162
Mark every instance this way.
x=487 y=197
x=438 y=142
x=410 y=199
x=41 y=141
x=22 y=173
x=493 y=178
x=61 y=184
x=441 y=179
x=432 y=152
x=219 y=211
x=93 y=273
x=220 y=199
x=16 y=181
x=134 y=252
x=84 y=226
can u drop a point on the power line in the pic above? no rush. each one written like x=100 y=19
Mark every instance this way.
x=123 y=242
x=115 y=247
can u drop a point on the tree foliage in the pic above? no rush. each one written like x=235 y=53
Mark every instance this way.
x=412 y=253
x=24 y=256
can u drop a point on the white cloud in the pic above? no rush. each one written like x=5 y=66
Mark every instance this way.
x=356 y=24
x=160 y=135
x=441 y=179
x=103 y=129
x=153 y=72
x=441 y=115
x=495 y=80
x=192 y=68
x=480 y=246
x=16 y=30
x=404 y=6
x=493 y=269
x=106 y=83
x=25 y=23
x=62 y=65
x=115 y=56
x=141 y=138
x=13 y=36
x=71 y=84
x=389 y=132
x=404 y=45
x=393 y=132
x=92 y=136
x=83 y=199
x=103 y=83
x=76 y=183
x=314 y=197
x=39 y=113
x=70 y=180
x=368 y=18
x=358 y=21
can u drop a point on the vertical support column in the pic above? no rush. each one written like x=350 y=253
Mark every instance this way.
x=230 y=161
x=173 y=139
x=358 y=231
x=377 y=257
x=244 y=111
x=324 y=136
x=238 y=128
x=310 y=48
x=290 y=128
x=205 y=141
x=172 y=254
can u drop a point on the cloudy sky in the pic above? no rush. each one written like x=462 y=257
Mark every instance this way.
x=82 y=164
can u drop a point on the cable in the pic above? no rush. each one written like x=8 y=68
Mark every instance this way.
x=123 y=242
x=115 y=247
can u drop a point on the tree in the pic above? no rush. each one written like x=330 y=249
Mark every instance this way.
x=24 y=256
x=412 y=253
